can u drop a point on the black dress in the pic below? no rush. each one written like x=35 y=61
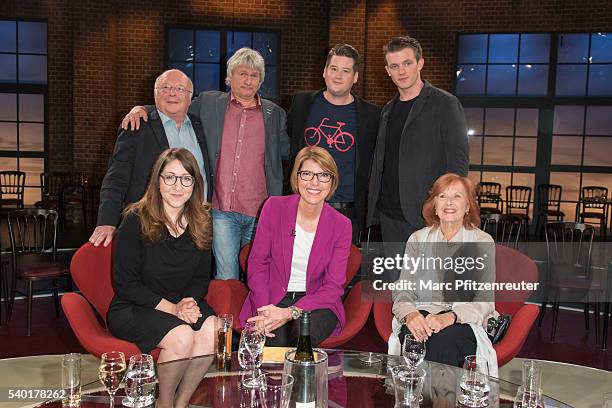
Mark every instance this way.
x=144 y=273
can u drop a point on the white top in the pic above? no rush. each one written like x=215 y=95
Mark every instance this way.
x=301 y=252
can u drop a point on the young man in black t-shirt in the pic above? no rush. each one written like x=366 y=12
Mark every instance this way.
x=341 y=122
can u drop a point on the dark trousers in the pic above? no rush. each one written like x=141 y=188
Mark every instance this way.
x=322 y=324
x=395 y=233
x=450 y=346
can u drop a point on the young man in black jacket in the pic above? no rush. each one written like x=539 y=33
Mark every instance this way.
x=343 y=123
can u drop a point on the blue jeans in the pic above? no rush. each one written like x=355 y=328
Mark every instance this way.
x=231 y=231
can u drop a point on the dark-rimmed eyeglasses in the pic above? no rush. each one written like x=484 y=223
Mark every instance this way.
x=323 y=177
x=166 y=89
x=170 y=180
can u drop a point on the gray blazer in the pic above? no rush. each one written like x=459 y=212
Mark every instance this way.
x=210 y=107
x=434 y=142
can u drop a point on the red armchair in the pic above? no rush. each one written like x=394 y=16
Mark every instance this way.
x=91 y=271
x=356 y=307
x=511 y=266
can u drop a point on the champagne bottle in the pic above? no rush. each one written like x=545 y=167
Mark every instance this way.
x=305 y=384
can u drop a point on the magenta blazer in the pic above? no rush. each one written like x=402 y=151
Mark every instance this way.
x=269 y=263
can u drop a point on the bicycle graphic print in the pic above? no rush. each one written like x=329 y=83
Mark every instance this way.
x=340 y=139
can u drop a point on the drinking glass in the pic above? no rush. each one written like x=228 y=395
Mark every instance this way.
x=528 y=398
x=413 y=351
x=474 y=382
x=71 y=380
x=111 y=371
x=532 y=375
x=275 y=390
x=223 y=328
x=140 y=382
x=408 y=385
x=250 y=353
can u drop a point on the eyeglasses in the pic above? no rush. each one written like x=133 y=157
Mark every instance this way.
x=170 y=180
x=166 y=89
x=323 y=177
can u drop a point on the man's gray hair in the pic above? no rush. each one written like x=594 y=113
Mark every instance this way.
x=163 y=74
x=250 y=58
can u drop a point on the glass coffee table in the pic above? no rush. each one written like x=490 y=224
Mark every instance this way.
x=356 y=379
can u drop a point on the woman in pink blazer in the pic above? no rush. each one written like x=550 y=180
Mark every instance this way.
x=299 y=256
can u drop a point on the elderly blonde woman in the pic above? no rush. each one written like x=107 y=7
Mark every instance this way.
x=451 y=322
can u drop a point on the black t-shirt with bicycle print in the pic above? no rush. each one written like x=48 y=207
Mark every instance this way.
x=334 y=127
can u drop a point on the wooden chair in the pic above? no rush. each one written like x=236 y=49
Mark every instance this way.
x=489 y=193
x=33 y=236
x=549 y=204
x=593 y=205
x=518 y=199
x=504 y=228
x=12 y=187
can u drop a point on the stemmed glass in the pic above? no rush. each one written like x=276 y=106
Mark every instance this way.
x=413 y=351
x=111 y=371
x=250 y=353
x=140 y=382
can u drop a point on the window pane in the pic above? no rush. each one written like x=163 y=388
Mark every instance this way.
x=527 y=122
x=8 y=163
x=503 y=48
x=525 y=151
x=475 y=143
x=32 y=37
x=32 y=169
x=497 y=177
x=237 y=40
x=8 y=68
x=501 y=80
x=8 y=106
x=472 y=49
x=601 y=47
x=499 y=121
x=268 y=88
x=473 y=117
x=533 y=80
x=8 y=36
x=32 y=107
x=208 y=46
x=497 y=149
x=568 y=120
x=573 y=48
x=597 y=151
x=599 y=120
x=206 y=77
x=566 y=150
x=180 y=45
x=470 y=79
x=598 y=179
x=600 y=80
x=31 y=195
x=185 y=67
x=8 y=136
x=32 y=137
x=267 y=45
x=33 y=69
x=571 y=80
x=535 y=48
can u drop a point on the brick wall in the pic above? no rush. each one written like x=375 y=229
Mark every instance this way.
x=104 y=56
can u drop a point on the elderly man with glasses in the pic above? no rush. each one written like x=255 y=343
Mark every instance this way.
x=135 y=151
x=247 y=140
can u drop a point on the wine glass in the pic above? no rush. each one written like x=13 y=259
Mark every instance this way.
x=250 y=353
x=140 y=381
x=413 y=351
x=111 y=371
